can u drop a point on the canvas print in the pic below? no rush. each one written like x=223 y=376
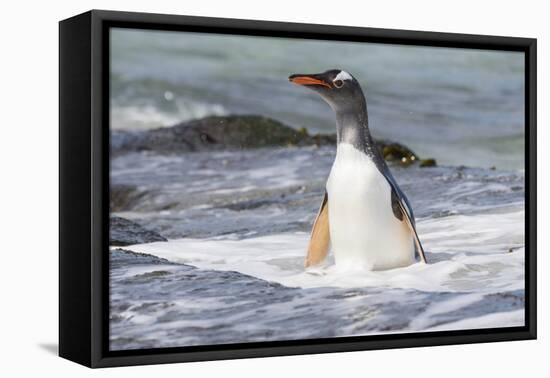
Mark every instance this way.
x=272 y=189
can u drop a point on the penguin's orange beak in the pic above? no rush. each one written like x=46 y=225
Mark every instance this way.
x=307 y=80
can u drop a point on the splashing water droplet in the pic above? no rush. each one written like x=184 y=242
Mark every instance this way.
x=168 y=96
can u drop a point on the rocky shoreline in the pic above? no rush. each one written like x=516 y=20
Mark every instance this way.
x=126 y=232
x=217 y=133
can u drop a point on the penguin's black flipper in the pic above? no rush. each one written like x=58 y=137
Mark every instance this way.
x=319 y=241
x=402 y=211
x=419 y=249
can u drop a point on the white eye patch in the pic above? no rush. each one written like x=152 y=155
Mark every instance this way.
x=343 y=75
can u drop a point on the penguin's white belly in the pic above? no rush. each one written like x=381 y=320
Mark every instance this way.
x=364 y=232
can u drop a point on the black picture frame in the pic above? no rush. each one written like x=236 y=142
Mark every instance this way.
x=84 y=187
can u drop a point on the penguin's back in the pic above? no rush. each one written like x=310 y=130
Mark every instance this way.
x=364 y=232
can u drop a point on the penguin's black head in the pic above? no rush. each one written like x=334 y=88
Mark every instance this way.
x=337 y=87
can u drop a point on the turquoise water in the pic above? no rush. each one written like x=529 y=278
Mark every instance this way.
x=462 y=107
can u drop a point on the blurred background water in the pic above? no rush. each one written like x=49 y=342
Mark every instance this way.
x=460 y=106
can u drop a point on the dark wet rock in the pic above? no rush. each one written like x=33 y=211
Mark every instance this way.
x=396 y=152
x=126 y=232
x=236 y=132
x=120 y=257
x=123 y=197
x=153 y=274
x=212 y=133
x=428 y=163
x=492 y=303
x=250 y=204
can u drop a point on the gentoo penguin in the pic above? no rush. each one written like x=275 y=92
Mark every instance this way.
x=364 y=215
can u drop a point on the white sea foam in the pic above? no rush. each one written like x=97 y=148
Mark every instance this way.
x=150 y=116
x=477 y=253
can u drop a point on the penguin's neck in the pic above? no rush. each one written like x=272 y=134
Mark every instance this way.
x=352 y=127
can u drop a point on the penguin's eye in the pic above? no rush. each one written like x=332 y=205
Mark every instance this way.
x=338 y=83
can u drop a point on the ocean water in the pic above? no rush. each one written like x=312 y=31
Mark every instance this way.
x=462 y=107
x=238 y=223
